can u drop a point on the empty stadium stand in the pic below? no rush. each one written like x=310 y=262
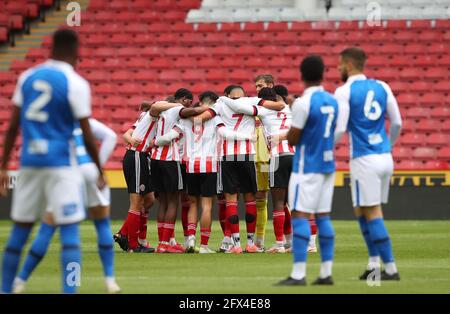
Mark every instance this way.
x=134 y=50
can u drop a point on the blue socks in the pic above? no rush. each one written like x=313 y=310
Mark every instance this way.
x=301 y=235
x=380 y=239
x=11 y=257
x=105 y=245
x=37 y=251
x=326 y=238
x=365 y=232
x=70 y=257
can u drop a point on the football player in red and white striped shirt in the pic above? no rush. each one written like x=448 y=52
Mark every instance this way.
x=237 y=173
x=165 y=165
x=201 y=155
x=133 y=233
x=275 y=124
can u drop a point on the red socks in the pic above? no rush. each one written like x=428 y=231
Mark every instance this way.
x=167 y=232
x=232 y=216
x=191 y=229
x=133 y=222
x=124 y=229
x=312 y=224
x=204 y=236
x=160 y=230
x=279 y=224
x=287 y=221
x=250 y=216
x=143 y=226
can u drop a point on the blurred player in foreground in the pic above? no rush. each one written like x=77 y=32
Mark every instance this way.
x=49 y=100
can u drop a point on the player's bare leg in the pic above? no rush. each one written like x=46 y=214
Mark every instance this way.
x=192 y=217
x=160 y=215
x=312 y=247
x=205 y=224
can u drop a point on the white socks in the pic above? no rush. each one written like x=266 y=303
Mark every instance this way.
x=298 y=271
x=325 y=269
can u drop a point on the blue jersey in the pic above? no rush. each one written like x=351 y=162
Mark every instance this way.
x=366 y=124
x=315 y=113
x=52 y=98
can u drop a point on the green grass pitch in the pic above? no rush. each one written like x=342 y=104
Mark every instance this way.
x=421 y=249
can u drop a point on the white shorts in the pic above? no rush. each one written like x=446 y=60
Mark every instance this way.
x=370 y=179
x=311 y=192
x=59 y=190
x=94 y=196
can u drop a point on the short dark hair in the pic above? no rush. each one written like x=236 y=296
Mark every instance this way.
x=267 y=78
x=281 y=90
x=267 y=93
x=312 y=68
x=208 y=95
x=356 y=56
x=228 y=89
x=183 y=92
x=65 y=43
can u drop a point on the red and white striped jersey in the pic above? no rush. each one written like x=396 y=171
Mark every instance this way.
x=240 y=123
x=201 y=144
x=145 y=130
x=276 y=122
x=166 y=121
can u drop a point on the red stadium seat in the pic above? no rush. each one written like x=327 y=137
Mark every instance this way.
x=270 y=51
x=418 y=112
x=446 y=126
x=402 y=153
x=441 y=112
x=170 y=76
x=438 y=139
x=427 y=125
x=413 y=139
x=432 y=99
x=193 y=75
x=121 y=76
x=410 y=74
x=437 y=73
x=410 y=165
x=444 y=153
x=437 y=165
x=424 y=153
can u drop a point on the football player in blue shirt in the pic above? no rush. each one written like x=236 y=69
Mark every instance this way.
x=48 y=101
x=364 y=104
x=311 y=184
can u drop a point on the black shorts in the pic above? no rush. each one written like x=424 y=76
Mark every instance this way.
x=167 y=176
x=280 y=171
x=201 y=184
x=136 y=169
x=238 y=175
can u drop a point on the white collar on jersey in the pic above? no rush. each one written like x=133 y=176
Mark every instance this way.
x=312 y=89
x=356 y=77
x=59 y=64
